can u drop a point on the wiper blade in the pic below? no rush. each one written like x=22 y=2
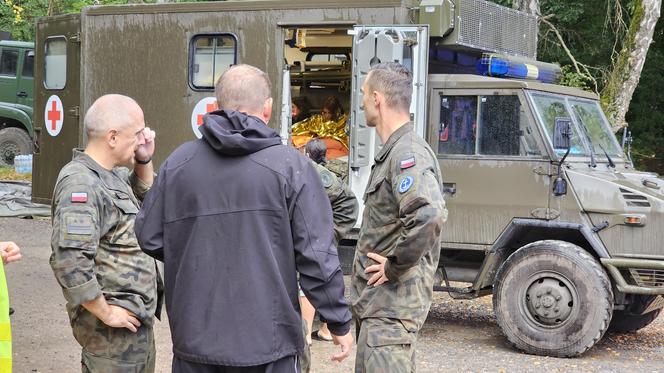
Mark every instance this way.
x=611 y=164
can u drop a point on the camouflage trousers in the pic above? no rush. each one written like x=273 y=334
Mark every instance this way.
x=384 y=345
x=113 y=350
x=305 y=359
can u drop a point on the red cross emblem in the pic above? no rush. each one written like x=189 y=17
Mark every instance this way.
x=53 y=115
x=208 y=108
x=202 y=107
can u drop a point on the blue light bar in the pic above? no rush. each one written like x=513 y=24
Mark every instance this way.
x=517 y=68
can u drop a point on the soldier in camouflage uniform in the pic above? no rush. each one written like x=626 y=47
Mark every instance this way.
x=399 y=244
x=344 y=215
x=110 y=285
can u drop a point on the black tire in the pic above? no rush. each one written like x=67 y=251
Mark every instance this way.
x=630 y=319
x=13 y=142
x=552 y=298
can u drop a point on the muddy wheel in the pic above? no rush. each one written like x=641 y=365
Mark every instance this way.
x=13 y=142
x=552 y=298
x=630 y=319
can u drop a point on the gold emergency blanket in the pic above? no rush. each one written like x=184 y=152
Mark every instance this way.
x=316 y=126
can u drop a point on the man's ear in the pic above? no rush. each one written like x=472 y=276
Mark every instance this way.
x=377 y=97
x=111 y=137
x=267 y=109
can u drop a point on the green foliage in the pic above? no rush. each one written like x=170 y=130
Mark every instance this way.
x=569 y=77
x=18 y=17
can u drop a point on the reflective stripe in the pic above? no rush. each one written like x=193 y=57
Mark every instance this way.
x=5 y=327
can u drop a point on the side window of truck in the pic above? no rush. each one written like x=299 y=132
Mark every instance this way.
x=28 y=64
x=458 y=125
x=485 y=125
x=55 y=62
x=504 y=128
x=8 y=62
x=209 y=57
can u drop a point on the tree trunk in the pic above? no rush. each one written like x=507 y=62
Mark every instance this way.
x=528 y=6
x=626 y=72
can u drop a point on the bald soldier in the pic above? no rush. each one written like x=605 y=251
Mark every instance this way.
x=399 y=244
x=110 y=285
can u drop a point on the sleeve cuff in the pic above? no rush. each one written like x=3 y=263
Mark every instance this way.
x=139 y=186
x=339 y=329
x=390 y=273
x=82 y=293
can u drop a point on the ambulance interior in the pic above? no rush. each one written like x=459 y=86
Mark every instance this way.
x=320 y=77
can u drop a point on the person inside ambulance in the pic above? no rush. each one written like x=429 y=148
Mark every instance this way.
x=300 y=109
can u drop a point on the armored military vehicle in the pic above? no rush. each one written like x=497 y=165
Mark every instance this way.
x=16 y=84
x=546 y=212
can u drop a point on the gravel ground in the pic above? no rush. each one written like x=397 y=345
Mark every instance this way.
x=459 y=336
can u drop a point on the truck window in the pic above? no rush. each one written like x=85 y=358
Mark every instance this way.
x=8 y=62
x=55 y=62
x=210 y=56
x=458 y=122
x=503 y=129
x=549 y=107
x=28 y=65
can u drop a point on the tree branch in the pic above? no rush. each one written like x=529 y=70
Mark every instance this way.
x=586 y=74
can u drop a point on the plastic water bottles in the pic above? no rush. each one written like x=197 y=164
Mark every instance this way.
x=23 y=164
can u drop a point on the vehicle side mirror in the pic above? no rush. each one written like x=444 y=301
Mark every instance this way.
x=562 y=133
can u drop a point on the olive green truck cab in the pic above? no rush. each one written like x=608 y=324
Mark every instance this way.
x=16 y=87
x=546 y=212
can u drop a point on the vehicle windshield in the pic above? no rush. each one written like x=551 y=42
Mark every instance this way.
x=590 y=129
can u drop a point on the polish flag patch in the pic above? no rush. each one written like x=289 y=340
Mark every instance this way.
x=80 y=197
x=408 y=163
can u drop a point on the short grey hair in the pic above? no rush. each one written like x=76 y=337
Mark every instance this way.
x=243 y=88
x=106 y=112
x=394 y=81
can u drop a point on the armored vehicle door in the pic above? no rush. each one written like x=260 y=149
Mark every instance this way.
x=494 y=164
x=408 y=45
x=57 y=120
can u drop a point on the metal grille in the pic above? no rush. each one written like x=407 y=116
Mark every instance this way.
x=491 y=27
x=633 y=199
x=648 y=277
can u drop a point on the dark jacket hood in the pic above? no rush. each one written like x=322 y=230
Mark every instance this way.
x=232 y=132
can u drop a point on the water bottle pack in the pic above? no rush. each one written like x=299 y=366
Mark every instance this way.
x=23 y=164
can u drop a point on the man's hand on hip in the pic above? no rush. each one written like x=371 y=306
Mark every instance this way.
x=346 y=343
x=119 y=317
x=379 y=277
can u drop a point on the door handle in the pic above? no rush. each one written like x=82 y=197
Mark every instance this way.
x=22 y=94
x=449 y=188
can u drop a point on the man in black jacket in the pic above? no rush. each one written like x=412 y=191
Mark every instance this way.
x=234 y=216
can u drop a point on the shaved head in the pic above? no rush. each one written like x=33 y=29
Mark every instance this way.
x=110 y=111
x=243 y=88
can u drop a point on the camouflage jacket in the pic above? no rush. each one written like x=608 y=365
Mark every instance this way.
x=404 y=213
x=343 y=201
x=94 y=247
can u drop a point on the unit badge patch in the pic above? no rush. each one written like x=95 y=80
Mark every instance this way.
x=405 y=184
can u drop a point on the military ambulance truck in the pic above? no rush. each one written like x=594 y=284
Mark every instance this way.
x=546 y=212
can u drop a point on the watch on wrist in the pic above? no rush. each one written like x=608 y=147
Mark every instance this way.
x=143 y=162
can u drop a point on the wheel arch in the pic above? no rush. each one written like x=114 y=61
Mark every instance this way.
x=521 y=232
x=12 y=117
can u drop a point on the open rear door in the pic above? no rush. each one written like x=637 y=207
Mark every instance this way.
x=408 y=45
x=56 y=116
